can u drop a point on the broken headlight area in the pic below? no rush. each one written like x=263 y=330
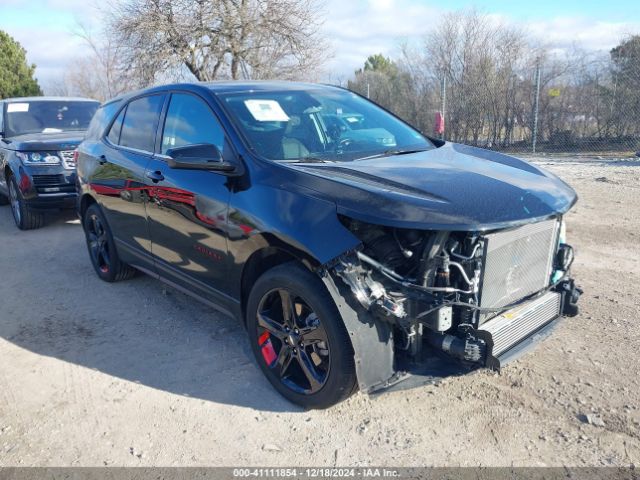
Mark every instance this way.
x=473 y=296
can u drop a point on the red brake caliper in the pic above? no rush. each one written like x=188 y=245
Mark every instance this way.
x=268 y=352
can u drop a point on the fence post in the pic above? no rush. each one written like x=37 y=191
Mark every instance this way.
x=536 y=106
x=443 y=106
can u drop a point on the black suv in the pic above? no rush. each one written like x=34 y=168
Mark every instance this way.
x=357 y=252
x=38 y=136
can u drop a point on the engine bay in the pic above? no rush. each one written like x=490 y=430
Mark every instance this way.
x=440 y=289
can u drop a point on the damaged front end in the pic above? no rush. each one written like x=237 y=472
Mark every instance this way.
x=469 y=299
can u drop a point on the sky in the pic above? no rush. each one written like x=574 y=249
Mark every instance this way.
x=355 y=28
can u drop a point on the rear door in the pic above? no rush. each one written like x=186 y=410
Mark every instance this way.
x=187 y=209
x=118 y=180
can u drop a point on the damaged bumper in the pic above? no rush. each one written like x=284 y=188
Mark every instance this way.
x=462 y=308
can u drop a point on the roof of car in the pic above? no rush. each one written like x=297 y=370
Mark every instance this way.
x=259 y=85
x=227 y=86
x=48 y=99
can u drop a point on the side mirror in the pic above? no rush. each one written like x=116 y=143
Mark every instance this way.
x=203 y=156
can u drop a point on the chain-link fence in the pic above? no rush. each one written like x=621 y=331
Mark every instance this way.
x=553 y=107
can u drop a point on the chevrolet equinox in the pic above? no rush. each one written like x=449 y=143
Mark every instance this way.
x=357 y=252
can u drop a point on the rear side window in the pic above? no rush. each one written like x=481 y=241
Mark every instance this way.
x=101 y=119
x=141 y=123
x=190 y=121
x=116 y=128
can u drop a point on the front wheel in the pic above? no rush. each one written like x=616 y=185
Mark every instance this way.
x=299 y=339
x=25 y=218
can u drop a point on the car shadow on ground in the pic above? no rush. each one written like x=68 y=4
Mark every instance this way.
x=139 y=330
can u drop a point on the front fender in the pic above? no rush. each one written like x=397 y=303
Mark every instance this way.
x=292 y=220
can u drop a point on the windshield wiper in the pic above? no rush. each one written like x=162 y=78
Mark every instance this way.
x=392 y=152
x=310 y=160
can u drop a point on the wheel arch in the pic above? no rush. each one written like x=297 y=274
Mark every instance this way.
x=265 y=258
x=12 y=167
x=85 y=202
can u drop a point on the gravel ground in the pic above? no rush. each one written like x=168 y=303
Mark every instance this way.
x=138 y=374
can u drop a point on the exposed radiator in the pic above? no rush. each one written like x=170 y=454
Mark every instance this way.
x=517 y=263
x=511 y=327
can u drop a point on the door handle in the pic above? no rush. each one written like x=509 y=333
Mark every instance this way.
x=102 y=160
x=155 y=177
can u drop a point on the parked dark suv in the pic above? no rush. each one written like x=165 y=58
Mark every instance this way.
x=357 y=252
x=38 y=136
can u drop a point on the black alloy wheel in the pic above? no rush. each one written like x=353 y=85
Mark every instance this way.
x=293 y=341
x=98 y=243
x=102 y=249
x=298 y=337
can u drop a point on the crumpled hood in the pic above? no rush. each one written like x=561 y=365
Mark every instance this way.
x=454 y=187
x=45 y=142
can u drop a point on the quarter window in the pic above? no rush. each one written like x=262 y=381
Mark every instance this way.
x=141 y=123
x=190 y=121
x=116 y=128
x=101 y=119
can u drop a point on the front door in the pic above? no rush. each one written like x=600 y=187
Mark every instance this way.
x=187 y=209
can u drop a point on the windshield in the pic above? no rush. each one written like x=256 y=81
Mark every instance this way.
x=47 y=116
x=319 y=125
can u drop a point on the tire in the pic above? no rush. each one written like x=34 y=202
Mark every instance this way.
x=308 y=358
x=25 y=218
x=4 y=200
x=102 y=248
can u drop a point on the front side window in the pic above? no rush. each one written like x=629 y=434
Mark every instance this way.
x=141 y=123
x=47 y=116
x=190 y=121
x=326 y=124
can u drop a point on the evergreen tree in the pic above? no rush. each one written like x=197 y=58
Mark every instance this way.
x=16 y=75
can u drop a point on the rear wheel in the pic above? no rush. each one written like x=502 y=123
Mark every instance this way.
x=102 y=250
x=25 y=218
x=298 y=338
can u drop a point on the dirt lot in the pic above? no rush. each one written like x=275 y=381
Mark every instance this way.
x=138 y=374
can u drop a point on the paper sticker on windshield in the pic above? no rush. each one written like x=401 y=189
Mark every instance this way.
x=17 y=107
x=266 y=110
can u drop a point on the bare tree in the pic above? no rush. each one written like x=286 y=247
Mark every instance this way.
x=100 y=73
x=103 y=71
x=478 y=58
x=213 y=39
x=489 y=70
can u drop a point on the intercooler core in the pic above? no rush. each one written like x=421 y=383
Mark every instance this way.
x=508 y=329
x=517 y=263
